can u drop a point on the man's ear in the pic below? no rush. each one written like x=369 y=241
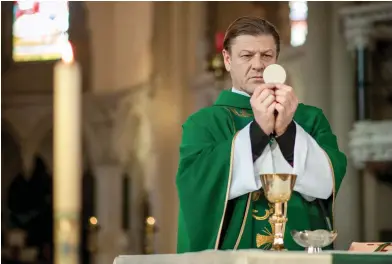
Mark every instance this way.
x=226 y=59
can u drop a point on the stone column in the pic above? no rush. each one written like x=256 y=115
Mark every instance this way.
x=101 y=23
x=317 y=58
x=108 y=179
x=342 y=118
x=107 y=171
x=121 y=36
x=180 y=22
x=132 y=43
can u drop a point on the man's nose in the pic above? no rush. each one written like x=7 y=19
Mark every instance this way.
x=257 y=64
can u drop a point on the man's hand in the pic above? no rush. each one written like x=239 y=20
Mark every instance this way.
x=286 y=105
x=263 y=105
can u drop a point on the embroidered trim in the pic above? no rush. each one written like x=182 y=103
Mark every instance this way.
x=243 y=223
x=232 y=119
x=241 y=113
x=227 y=193
x=230 y=110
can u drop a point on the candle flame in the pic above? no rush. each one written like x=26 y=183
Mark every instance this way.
x=150 y=221
x=67 y=53
x=93 y=220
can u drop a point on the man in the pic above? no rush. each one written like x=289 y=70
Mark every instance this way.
x=251 y=129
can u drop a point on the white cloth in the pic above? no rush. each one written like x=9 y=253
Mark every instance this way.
x=311 y=165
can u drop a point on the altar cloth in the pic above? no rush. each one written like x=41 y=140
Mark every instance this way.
x=258 y=257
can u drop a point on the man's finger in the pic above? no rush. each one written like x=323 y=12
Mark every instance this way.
x=268 y=101
x=281 y=92
x=264 y=94
x=258 y=90
x=281 y=99
x=271 y=109
x=280 y=108
x=283 y=87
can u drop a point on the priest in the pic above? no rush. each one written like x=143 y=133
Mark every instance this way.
x=253 y=128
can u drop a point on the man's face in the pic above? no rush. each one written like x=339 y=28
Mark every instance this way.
x=248 y=58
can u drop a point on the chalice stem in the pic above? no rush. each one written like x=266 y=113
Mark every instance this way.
x=278 y=221
x=278 y=237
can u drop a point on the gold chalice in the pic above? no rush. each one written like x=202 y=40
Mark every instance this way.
x=277 y=189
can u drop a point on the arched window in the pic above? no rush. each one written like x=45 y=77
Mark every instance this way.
x=299 y=24
x=39 y=29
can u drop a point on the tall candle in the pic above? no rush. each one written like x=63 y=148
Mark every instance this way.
x=67 y=158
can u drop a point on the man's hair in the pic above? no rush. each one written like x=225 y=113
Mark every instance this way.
x=253 y=26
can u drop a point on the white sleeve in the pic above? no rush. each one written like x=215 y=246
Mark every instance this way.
x=311 y=164
x=245 y=174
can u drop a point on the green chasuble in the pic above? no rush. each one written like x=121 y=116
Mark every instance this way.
x=207 y=218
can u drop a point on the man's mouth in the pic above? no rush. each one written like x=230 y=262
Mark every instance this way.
x=257 y=78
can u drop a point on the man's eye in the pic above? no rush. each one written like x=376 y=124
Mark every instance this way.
x=246 y=56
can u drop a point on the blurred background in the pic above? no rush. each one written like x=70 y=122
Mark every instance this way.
x=145 y=67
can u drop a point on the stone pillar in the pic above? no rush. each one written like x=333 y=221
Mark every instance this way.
x=342 y=118
x=317 y=58
x=362 y=64
x=180 y=22
x=132 y=43
x=101 y=23
x=108 y=179
x=121 y=36
x=358 y=35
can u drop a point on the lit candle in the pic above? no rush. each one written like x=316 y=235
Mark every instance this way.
x=67 y=158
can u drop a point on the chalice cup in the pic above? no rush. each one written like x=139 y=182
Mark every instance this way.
x=278 y=188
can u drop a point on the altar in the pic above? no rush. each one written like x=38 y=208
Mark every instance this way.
x=258 y=256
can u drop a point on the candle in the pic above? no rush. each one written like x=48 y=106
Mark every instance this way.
x=67 y=158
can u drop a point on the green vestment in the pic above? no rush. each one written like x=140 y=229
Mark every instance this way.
x=207 y=219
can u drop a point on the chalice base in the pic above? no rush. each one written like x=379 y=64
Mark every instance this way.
x=278 y=247
x=313 y=250
x=278 y=243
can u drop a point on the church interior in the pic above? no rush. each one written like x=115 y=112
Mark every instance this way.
x=144 y=67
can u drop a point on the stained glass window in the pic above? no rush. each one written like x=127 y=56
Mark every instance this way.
x=299 y=24
x=40 y=29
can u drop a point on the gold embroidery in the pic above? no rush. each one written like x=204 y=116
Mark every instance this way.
x=232 y=119
x=265 y=240
x=241 y=113
x=268 y=212
x=266 y=237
